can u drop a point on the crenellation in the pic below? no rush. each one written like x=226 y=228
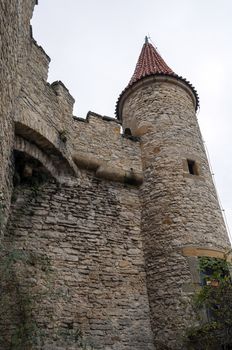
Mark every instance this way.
x=104 y=227
x=40 y=61
x=39 y=46
x=64 y=96
x=100 y=141
x=14 y=51
x=103 y=117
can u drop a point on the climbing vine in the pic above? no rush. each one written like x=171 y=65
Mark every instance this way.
x=213 y=304
x=2 y=207
x=20 y=297
x=15 y=301
x=28 y=293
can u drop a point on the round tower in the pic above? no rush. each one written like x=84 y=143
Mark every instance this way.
x=181 y=216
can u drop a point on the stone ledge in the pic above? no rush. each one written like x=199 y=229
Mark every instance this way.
x=108 y=172
x=62 y=91
x=208 y=252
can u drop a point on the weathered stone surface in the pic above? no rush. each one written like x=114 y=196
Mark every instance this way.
x=97 y=279
x=104 y=228
x=14 y=51
x=178 y=209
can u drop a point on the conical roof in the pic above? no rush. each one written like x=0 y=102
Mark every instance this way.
x=150 y=63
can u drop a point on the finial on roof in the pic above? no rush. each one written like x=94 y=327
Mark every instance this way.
x=146 y=39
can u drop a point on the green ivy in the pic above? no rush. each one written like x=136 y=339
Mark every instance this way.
x=28 y=333
x=215 y=299
x=2 y=209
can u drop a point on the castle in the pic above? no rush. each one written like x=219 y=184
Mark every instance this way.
x=103 y=228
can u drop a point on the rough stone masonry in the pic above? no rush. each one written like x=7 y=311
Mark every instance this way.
x=100 y=230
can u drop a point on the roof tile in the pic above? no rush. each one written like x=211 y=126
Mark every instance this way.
x=150 y=62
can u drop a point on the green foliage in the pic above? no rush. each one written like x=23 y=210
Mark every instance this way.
x=28 y=290
x=15 y=301
x=9 y=258
x=2 y=209
x=216 y=268
x=213 y=302
x=63 y=135
x=72 y=335
x=1 y=214
x=20 y=298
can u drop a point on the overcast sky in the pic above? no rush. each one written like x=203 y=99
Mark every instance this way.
x=94 y=46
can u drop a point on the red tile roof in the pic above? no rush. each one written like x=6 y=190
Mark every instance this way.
x=150 y=62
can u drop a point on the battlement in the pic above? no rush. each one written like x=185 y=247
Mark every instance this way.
x=98 y=139
x=40 y=61
x=64 y=97
x=95 y=143
x=108 y=226
x=103 y=117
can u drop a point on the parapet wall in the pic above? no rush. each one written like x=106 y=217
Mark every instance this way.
x=45 y=117
x=41 y=117
x=99 y=141
x=79 y=231
x=14 y=52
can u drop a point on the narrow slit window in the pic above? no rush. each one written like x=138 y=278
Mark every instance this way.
x=192 y=167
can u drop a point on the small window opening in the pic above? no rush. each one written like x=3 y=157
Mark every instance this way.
x=128 y=132
x=192 y=167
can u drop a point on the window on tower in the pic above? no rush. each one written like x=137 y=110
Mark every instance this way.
x=192 y=167
x=128 y=132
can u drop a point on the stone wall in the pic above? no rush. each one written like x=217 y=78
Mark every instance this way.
x=99 y=140
x=88 y=255
x=84 y=268
x=71 y=258
x=44 y=117
x=178 y=209
x=14 y=49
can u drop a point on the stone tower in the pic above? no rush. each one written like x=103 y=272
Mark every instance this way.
x=100 y=230
x=181 y=216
